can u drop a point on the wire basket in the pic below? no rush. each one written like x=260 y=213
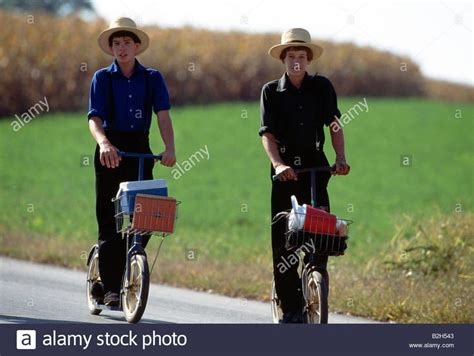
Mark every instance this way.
x=145 y=214
x=316 y=234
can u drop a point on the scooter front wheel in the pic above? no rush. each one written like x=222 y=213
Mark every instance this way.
x=316 y=298
x=135 y=288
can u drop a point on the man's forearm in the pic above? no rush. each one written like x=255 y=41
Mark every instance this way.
x=166 y=130
x=337 y=139
x=271 y=148
x=97 y=131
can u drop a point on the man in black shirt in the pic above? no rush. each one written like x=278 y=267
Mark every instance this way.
x=294 y=110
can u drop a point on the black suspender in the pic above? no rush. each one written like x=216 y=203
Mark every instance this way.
x=110 y=102
x=148 y=96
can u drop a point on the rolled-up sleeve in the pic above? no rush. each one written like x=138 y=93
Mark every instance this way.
x=267 y=116
x=330 y=109
x=161 y=97
x=97 y=96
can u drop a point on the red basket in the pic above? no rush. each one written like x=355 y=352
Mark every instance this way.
x=154 y=213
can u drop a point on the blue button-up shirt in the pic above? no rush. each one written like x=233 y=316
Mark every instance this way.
x=130 y=111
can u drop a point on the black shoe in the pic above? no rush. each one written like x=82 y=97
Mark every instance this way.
x=97 y=292
x=111 y=299
x=293 y=317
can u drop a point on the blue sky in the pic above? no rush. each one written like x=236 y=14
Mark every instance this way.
x=436 y=35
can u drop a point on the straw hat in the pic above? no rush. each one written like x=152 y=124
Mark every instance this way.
x=122 y=24
x=295 y=37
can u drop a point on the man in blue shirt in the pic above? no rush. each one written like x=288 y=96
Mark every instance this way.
x=122 y=100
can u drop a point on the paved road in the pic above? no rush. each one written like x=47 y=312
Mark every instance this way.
x=36 y=293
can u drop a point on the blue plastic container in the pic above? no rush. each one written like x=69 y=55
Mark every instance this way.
x=128 y=191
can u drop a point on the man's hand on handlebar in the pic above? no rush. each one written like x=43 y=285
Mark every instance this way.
x=341 y=167
x=168 y=158
x=285 y=173
x=108 y=155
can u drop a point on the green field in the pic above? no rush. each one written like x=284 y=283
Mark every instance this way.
x=47 y=193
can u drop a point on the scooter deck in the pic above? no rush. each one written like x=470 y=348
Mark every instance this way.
x=107 y=307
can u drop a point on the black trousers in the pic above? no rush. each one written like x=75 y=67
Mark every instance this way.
x=287 y=281
x=112 y=248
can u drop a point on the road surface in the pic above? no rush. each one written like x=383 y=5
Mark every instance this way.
x=37 y=293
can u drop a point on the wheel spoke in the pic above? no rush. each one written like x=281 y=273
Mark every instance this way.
x=313 y=305
x=131 y=301
x=134 y=288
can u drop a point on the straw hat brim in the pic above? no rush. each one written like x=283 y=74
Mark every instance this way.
x=103 y=38
x=276 y=50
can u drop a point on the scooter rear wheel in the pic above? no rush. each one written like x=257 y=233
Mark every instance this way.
x=277 y=313
x=93 y=276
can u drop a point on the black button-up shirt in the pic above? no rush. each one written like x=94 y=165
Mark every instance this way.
x=296 y=116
